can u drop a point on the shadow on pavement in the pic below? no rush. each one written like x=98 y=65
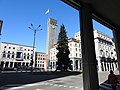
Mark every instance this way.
x=22 y=78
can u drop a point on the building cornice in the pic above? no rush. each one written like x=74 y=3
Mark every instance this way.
x=16 y=44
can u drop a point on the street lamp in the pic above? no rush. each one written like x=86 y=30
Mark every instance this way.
x=35 y=30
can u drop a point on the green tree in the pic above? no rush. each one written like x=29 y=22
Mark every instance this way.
x=63 y=52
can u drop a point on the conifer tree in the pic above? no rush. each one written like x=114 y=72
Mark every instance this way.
x=63 y=50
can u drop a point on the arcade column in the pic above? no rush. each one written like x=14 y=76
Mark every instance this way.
x=116 y=34
x=90 y=75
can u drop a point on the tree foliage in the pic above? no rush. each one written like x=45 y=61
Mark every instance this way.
x=63 y=50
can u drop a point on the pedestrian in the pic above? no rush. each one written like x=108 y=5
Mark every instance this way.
x=112 y=79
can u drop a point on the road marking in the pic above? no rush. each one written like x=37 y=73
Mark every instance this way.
x=76 y=87
x=51 y=84
x=14 y=88
x=70 y=86
x=60 y=85
x=55 y=84
x=64 y=86
x=33 y=84
x=46 y=84
x=38 y=89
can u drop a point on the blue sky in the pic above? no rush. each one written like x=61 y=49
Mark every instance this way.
x=17 y=15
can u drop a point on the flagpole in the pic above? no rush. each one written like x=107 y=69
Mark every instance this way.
x=1 y=22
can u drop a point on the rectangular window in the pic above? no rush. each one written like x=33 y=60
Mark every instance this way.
x=75 y=44
x=24 y=57
x=4 y=54
x=8 y=56
x=12 y=56
x=76 y=49
x=76 y=54
x=18 y=55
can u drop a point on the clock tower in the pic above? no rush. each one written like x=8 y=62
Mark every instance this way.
x=52 y=32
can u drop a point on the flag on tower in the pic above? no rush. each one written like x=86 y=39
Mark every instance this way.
x=47 y=11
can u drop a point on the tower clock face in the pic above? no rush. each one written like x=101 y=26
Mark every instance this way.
x=53 y=27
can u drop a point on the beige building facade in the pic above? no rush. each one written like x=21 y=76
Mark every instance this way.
x=41 y=61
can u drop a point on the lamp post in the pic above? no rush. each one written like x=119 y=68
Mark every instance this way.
x=35 y=30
